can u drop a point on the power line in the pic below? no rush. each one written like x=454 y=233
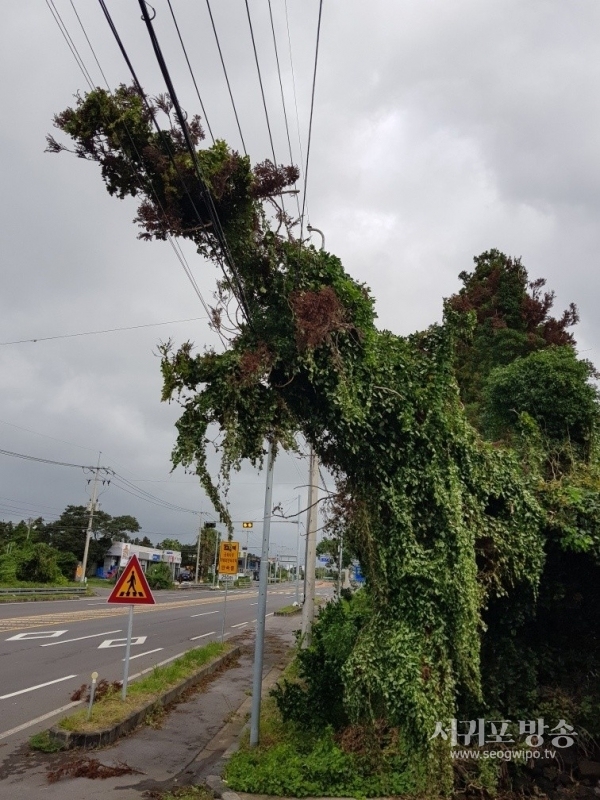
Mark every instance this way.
x=262 y=91
x=205 y=193
x=287 y=127
x=50 y=461
x=226 y=76
x=105 y=330
x=81 y=64
x=312 y=105
x=191 y=71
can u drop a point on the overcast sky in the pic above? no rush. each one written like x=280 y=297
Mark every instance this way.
x=440 y=130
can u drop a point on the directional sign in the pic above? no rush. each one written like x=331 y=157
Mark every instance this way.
x=132 y=587
x=228 y=558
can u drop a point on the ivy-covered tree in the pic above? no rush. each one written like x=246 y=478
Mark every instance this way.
x=441 y=520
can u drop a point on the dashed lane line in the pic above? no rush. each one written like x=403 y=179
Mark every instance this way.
x=62 y=618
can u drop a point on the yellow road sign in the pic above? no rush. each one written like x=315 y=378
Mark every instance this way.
x=228 y=558
x=247 y=524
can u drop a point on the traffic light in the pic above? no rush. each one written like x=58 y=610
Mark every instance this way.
x=247 y=524
x=210 y=524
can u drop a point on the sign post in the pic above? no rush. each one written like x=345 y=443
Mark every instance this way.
x=131 y=589
x=228 y=565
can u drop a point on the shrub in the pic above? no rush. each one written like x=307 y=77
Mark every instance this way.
x=159 y=576
x=318 y=700
x=38 y=564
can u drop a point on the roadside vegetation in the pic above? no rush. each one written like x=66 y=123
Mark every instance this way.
x=111 y=709
x=465 y=457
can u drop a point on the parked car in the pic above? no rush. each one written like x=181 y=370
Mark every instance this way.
x=184 y=575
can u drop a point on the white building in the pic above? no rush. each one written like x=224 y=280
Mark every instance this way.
x=120 y=553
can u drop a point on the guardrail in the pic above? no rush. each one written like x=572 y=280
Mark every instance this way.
x=49 y=590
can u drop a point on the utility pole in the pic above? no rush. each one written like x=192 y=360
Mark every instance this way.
x=340 y=566
x=198 y=549
x=262 y=603
x=298 y=554
x=215 y=575
x=308 y=609
x=88 y=534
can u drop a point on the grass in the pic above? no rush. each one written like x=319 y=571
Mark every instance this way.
x=111 y=709
x=24 y=598
x=43 y=743
x=285 y=611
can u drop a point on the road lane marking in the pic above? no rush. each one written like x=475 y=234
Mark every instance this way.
x=239 y=625
x=66 y=617
x=253 y=604
x=26 y=637
x=79 y=638
x=206 y=613
x=35 y=721
x=121 y=642
x=147 y=653
x=202 y=635
x=39 y=686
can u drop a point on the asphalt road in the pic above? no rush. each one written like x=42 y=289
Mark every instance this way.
x=48 y=649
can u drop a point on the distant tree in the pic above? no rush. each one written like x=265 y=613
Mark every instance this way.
x=512 y=316
x=39 y=565
x=159 y=576
x=170 y=544
x=143 y=542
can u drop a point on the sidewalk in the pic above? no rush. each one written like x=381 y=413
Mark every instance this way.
x=184 y=747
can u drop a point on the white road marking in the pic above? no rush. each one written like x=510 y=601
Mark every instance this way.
x=121 y=642
x=103 y=603
x=253 y=604
x=271 y=614
x=31 y=722
x=35 y=635
x=39 y=686
x=80 y=638
x=206 y=613
x=147 y=653
x=239 y=625
x=202 y=635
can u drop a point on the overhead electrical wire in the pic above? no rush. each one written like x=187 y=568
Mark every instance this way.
x=191 y=71
x=237 y=119
x=208 y=199
x=262 y=90
x=50 y=461
x=312 y=106
x=81 y=64
x=205 y=193
x=287 y=127
x=105 y=330
x=289 y=37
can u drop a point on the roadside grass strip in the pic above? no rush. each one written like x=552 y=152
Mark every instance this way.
x=288 y=611
x=111 y=709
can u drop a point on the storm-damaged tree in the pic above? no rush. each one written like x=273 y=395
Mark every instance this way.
x=422 y=493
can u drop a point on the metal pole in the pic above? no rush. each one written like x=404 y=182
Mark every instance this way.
x=215 y=576
x=127 y=650
x=340 y=567
x=224 y=611
x=308 y=608
x=262 y=603
x=298 y=554
x=198 y=553
x=88 y=534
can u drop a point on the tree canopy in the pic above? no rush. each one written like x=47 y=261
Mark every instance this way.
x=445 y=523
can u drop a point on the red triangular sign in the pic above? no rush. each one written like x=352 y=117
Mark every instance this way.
x=132 y=587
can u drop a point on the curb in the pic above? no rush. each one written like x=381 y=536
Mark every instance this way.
x=101 y=738
x=288 y=613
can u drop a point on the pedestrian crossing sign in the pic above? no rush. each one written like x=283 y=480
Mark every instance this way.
x=132 y=587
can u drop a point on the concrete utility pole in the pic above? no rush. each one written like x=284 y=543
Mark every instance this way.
x=298 y=554
x=308 y=609
x=92 y=508
x=198 y=549
x=262 y=603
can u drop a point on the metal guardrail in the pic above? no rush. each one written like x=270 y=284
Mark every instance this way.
x=49 y=590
